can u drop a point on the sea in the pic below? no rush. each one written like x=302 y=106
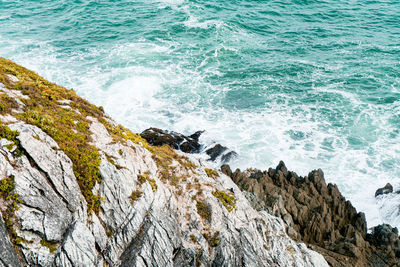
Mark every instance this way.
x=315 y=83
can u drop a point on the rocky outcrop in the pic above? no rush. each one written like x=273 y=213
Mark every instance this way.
x=188 y=144
x=222 y=152
x=317 y=214
x=158 y=137
x=388 y=188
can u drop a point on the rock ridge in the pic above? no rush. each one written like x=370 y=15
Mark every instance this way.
x=317 y=214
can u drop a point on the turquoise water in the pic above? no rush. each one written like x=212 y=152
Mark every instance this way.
x=314 y=83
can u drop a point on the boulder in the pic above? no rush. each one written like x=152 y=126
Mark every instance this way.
x=388 y=188
x=220 y=151
x=158 y=137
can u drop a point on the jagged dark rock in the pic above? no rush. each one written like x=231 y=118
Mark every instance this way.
x=188 y=144
x=158 y=137
x=220 y=151
x=216 y=151
x=319 y=215
x=388 y=188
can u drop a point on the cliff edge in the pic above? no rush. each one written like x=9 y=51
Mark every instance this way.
x=76 y=189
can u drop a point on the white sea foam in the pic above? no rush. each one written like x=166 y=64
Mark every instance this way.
x=169 y=95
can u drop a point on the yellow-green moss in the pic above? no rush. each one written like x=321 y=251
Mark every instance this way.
x=10 y=135
x=227 y=199
x=111 y=160
x=6 y=186
x=136 y=194
x=153 y=184
x=290 y=249
x=211 y=173
x=213 y=240
x=142 y=178
x=203 y=210
x=11 y=204
x=165 y=157
x=52 y=246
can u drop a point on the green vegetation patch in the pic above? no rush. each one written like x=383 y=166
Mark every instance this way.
x=165 y=156
x=203 y=210
x=211 y=173
x=7 y=103
x=10 y=135
x=69 y=128
x=52 y=246
x=12 y=200
x=142 y=178
x=227 y=199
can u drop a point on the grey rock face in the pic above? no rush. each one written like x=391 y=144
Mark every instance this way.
x=8 y=257
x=161 y=228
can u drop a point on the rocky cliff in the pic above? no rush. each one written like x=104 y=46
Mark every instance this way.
x=76 y=189
x=316 y=213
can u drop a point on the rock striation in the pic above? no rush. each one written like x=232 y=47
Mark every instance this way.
x=317 y=214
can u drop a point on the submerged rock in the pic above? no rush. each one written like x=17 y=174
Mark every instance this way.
x=318 y=215
x=388 y=188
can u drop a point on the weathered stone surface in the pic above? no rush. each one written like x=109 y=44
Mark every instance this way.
x=319 y=215
x=8 y=257
x=388 y=188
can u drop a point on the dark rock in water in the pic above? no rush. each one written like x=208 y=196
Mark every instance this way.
x=384 y=236
x=318 y=214
x=188 y=144
x=216 y=151
x=158 y=137
x=228 y=156
x=221 y=151
x=388 y=188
